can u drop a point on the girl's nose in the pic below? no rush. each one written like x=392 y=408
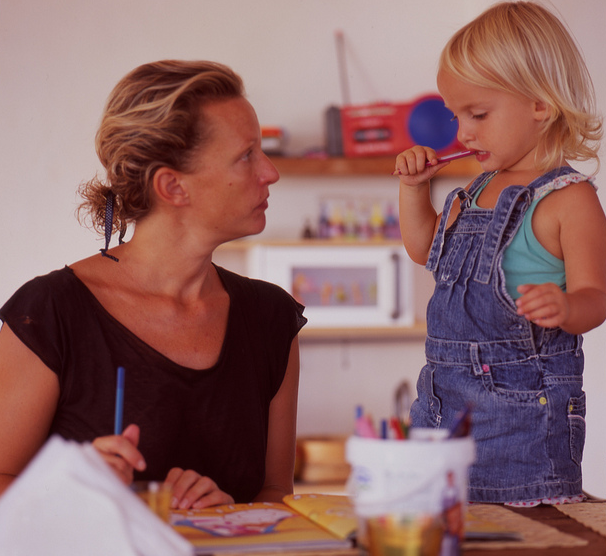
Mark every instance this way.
x=464 y=133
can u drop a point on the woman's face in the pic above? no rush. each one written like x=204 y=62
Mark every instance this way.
x=229 y=185
x=502 y=127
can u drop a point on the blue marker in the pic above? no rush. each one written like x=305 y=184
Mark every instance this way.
x=119 y=401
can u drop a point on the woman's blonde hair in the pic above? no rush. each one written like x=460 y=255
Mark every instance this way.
x=153 y=118
x=522 y=48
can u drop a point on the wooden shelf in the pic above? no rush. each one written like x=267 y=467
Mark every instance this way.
x=371 y=166
x=320 y=488
x=417 y=331
x=244 y=244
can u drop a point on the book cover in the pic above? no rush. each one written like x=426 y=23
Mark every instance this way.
x=333 y=512
x=259 y=526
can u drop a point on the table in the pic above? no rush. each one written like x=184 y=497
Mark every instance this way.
x=547 y=515
x=554 y=518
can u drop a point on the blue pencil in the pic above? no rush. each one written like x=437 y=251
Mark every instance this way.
x=119 y=401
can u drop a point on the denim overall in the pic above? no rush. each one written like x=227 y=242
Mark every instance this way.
x=523 y=382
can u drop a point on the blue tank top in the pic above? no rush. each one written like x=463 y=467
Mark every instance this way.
x=525 y=260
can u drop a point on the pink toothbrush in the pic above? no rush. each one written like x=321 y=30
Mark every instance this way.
x=446 y=158
x=453 y=156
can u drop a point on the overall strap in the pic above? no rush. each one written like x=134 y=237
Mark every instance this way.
x=557 y=179
x=465 y=201
x=507 y=216
x=509 y=212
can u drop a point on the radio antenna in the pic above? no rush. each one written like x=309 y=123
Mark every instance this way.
x=340 y=41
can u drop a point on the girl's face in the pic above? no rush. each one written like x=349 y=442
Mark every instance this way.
x=229 y=186
x=502 y=127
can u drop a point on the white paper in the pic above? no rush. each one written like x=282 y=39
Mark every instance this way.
x=68 y=501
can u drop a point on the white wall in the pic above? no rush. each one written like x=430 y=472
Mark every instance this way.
x=59 y=60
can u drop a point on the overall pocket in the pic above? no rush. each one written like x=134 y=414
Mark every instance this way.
x=576 y=427
x=457 y=254
x=425 y=411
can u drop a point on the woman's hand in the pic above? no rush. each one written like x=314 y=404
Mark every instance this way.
x=192 y=490
x=121 y=454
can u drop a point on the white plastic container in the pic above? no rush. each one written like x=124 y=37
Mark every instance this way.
x=426 y=475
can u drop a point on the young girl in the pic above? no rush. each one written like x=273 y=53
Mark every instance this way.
x=519 y=256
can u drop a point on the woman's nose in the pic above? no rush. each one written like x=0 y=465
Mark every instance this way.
x=270 y=172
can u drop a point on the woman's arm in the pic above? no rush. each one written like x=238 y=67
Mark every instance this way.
x=29 y=392
x=280 y=459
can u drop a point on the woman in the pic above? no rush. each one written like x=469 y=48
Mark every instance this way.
x=211 y=358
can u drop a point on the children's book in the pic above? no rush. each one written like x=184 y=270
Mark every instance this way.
x=258 y=526
x=330 y=511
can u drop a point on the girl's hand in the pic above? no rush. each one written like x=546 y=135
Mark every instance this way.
x=411 y=165
x=544 y=304
x=121 y=454
x=192 y=490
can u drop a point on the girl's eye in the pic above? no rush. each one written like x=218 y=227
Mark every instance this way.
x=454 y=118
x=479 y=116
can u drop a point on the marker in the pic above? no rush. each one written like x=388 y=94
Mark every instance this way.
x=445 y=158
x=119 y=401
x=396 y=428
x=462 y=424
x=364 y=427
x=384 y=430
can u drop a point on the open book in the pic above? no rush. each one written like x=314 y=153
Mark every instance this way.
x=265 y=526
x=334 y=513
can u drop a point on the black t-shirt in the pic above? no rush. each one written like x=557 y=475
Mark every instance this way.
x=213 y=421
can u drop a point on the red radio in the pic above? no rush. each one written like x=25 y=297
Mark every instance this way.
x=385 y=129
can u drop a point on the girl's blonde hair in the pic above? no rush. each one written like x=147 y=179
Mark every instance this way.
x=522 y=48
x=153 y=118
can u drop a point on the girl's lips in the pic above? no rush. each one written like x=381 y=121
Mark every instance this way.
x=481 y=156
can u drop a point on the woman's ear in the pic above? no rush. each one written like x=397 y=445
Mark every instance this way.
x=169 y=187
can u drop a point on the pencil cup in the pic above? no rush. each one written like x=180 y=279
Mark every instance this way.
x=410 y=493
x=404 y=535
x=156 y=495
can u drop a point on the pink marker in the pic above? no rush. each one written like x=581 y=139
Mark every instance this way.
x=453 y=156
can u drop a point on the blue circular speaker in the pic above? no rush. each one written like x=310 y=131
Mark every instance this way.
x=430 y=124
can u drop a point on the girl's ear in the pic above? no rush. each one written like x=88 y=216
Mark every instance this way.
x=542 y=111
x=169 y=187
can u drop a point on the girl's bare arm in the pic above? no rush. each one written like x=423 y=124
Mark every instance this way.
x=418 y=218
